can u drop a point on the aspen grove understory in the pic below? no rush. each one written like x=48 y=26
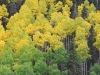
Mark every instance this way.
x=49 y=37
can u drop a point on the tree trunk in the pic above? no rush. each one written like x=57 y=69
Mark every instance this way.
x=97 y=4
x=99 y=58
x=84 y=68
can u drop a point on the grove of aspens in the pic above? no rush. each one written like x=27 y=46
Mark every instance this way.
x=49 y=37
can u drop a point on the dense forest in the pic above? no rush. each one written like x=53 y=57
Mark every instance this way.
x=49 y=37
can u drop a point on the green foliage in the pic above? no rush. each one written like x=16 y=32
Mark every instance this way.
x=32 y=20
x=60 y=56
x=93 y=73
x=40 y=68
x=28 y=53
x=96 y=69
x=5 y=70
x=7 y=57
x=64 y=72
x=53 y=70
x=73 y=61
x=24 y=69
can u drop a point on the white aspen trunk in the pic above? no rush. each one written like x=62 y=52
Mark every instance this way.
x=68 y=41
x=81 y=68
x=86 y=67
x=97 y=3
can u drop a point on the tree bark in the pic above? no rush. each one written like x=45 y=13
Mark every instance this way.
x=99 y=58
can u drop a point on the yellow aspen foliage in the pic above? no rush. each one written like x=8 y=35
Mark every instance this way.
x=59 y=6
x=3 y=11
x=83 y=50
x=33 y=5
x=80 y=33
x=97 y=30
x=38 y=39
x=21 y=19
x=69 y=3
x=66 y=14
x=97 y=37
x=47 y=37
x=23 y=42
x=62 y=23
x=80 y=9
x=91 y=8
x=87 y=27
x=86 y=4
x=56 y=17
x=29 y=29
x=21 y=23
x=55 y=42
x=47 y=28
x=50 y=1
x=41 y=31
x=2 y=43
x=47 y=24
x=35 y=8
x=59 y=28
x=98 y=17
x=93 y=17
x=97 y=43
x=81 y=43
x=40 y=19
x=17 y=38
x=10 y=23
x=79 y=21
x=16 y=17
x=43 y=6
x=6 y=35
x=13 y=20
x=66 y=9
x=41 y=24
x=68 y=25
x=52 y=9
x=2 y=32
x=26 y=13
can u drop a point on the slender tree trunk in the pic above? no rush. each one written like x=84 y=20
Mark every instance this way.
x=86 y=67
x=65 y=43
x=99 y=58
x=82 y=68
